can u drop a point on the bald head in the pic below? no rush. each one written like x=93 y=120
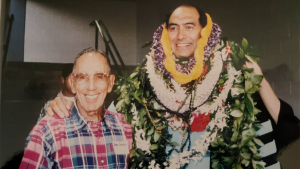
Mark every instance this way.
x=98 y=53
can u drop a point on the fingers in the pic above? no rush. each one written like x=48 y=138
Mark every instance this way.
x=252 y=64
x=61 y=105
x=49 y=111
x=69 y=104
x=250 y=59
x=58 y=107
x=248 y=65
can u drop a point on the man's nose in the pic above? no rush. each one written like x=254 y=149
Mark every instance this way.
x=181 y=34
x=91 y=84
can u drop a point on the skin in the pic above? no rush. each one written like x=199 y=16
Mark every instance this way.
x=90 y=96
x=67 y=91
x=266 y=92
x=184 y=31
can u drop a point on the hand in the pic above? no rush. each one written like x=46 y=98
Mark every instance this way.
x=60 y=107
x=254 y=65
x=266 y=92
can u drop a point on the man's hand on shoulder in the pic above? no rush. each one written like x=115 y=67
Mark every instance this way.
x=59 y=107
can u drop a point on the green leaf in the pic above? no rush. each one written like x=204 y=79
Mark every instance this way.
x=237 y=102
x=260 y=164
x=244 y=43
x=253 y=149
x=241 y=54
x=247 y=72
x=245 y=155
x=242 y=107
x=248 y=85
x=236 y=113
x=214 y=164
x=258 y=142
x=175 y=143
x=138 y=99
x=228 y=160
x=221 y=81
x=256 y=79
x=256 y=110
x=142 y=112
x=153 y=147
x=127 y=99
x=234 y=146
x=245 y=162
x=119 y=104
x=249 y=103
x=138 y=92
x=150 y=131
x=132 y=153
x=234 y=136
x=237 y=166
x=133 y=74
x=156 y=136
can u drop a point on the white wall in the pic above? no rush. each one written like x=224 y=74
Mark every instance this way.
x=56 y=31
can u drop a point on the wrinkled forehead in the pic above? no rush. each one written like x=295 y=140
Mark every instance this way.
x=184 y=13
x=92 y=63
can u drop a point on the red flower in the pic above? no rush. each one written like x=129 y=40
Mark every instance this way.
x=200 y=122
x=205 y=70
x=178 y=101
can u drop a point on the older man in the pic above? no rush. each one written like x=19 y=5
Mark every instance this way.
x=91 y=137
x=191 y=104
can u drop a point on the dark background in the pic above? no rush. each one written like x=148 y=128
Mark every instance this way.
x=26 y=86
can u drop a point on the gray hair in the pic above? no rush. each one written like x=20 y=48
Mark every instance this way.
x=91 y=50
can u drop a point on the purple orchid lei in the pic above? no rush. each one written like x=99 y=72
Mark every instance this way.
x=160 y=57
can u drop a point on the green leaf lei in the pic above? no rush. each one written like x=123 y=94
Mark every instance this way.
x=235 y=147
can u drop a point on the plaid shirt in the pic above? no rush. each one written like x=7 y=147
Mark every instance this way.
x=76 y=143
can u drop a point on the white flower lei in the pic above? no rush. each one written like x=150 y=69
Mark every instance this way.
x=169 y=97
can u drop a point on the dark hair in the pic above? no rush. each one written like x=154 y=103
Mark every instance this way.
x=67 y=70
x=91 y=50
x=202 y=19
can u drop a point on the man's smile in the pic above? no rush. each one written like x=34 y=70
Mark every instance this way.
x=91 y=97
x=183 y=44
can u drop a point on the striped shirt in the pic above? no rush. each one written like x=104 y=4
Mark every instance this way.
x=77 y=143
x=276 y=136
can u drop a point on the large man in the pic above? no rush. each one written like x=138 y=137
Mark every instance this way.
x=92 y=137
x=190 y=104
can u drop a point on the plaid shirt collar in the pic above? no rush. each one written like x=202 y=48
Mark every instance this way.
x=82 y=123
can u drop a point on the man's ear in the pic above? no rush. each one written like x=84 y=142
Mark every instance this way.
x=71 y=81
x=111 y=83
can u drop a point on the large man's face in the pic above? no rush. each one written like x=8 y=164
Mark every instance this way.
x=184 y=31
x=92 y=92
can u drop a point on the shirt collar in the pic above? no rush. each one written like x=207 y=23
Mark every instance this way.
x=81 y=122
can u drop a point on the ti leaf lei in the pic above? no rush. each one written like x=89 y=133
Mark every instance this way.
x=234 y=147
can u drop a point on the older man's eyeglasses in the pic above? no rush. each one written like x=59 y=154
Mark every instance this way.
x=83 y=78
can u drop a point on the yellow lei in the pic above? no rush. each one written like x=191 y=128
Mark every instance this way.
x=199 y=55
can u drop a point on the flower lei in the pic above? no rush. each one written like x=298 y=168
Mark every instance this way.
x=160 y=56
x=232 y=125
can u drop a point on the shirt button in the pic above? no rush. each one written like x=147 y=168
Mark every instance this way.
x=102 y=161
